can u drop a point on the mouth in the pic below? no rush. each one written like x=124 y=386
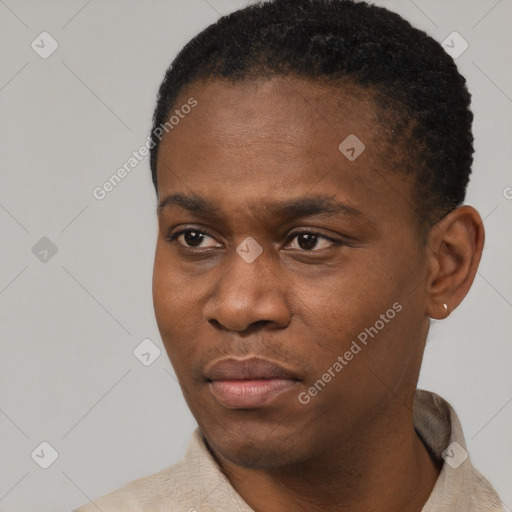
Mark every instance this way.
x=248 y=383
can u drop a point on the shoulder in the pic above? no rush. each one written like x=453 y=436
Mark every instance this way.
x=178 y=486
x=154 y=492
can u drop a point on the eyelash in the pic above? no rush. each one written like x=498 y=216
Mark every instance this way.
x=172 y=237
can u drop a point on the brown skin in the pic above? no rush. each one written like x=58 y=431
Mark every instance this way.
x=353 y=446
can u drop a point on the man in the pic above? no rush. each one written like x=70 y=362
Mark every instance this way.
x=311 y=159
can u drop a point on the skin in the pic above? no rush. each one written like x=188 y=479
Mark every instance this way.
x=244 y=147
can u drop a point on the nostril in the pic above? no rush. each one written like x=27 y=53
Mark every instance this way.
x=247 y=330
x=216 y=324
x=257 y=324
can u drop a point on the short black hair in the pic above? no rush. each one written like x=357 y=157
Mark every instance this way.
x=422 y=99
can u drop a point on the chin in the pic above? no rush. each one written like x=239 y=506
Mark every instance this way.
x=253 y=447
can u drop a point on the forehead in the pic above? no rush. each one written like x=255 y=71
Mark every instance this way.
x=288 y=109
x=272 y=137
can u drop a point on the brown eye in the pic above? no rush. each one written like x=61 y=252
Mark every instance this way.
x=193 y=238
x=309 y=241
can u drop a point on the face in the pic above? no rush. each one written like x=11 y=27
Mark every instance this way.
x=288 y=278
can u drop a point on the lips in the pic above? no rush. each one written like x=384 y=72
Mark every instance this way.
x=243 y=369
x=248 y=383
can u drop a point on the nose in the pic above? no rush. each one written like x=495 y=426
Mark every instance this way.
x=249 y=295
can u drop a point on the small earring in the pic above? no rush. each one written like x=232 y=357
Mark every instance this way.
x=445 y=306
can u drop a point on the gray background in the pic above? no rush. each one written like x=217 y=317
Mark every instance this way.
x=69 y=324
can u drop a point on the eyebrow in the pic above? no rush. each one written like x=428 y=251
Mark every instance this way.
x=294 y=208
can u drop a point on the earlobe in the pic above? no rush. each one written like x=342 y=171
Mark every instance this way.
x=455 y=247
x=438 y=311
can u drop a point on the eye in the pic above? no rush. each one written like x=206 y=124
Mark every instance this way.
x=201 y=239
x=309 y=241
x=193 y=238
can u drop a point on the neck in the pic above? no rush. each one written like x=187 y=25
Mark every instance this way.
x=385 y=468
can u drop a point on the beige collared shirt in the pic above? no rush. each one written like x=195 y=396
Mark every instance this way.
x=196 y=483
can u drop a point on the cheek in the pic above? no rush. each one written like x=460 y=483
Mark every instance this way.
x=174 y=292
x=165 y=289
x=366 y=302
x=177 y=301
x=172 y=297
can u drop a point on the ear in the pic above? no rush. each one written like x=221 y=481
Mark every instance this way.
x=455 y=247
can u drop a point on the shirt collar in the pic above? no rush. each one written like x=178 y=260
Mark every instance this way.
x=459 y=487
